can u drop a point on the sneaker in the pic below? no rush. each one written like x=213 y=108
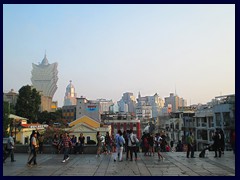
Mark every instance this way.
x=29 y=165
x=67 y=159
x=64 y=161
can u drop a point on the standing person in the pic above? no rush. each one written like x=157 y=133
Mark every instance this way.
x=55 y=143
x=116 y=153
x=10 y=148
x=132 y=141
x=190 y=144
x=67 y=143
x=127 y=149
x=34 y=147
x=41 y=138
x=232 y=141
x=158 y=141
x=81 y=140
x=120 y=143
x=108 y=143
x=216 y=144
x=222 y=141
x=99 y=144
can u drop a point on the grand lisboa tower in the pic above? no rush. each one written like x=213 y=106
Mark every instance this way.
x=44 y=79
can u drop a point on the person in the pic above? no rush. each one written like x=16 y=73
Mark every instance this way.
x=179 y=147
x=232 y=141
x=127 y=149
x=158 y=140
x=108 y=143
x=10 y=148
x=55 y=143
x=132 y=141
x=116 y=153
x=81 y=140
x=99 y=144
x=216 y=144
x=67 y=143
x=190 y=145
x=222 y=141
x=34 y=147
x=41 y=138
x=119 y=143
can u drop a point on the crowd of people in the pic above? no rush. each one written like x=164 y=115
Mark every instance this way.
x=117 y=144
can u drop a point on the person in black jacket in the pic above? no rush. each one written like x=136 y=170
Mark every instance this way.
x=216 y=144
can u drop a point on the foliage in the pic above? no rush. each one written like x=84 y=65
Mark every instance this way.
x=50 y=132
x=6 y=120
x=51 y=117
x=28 y=103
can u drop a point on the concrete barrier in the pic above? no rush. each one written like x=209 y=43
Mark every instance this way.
x=49 y=149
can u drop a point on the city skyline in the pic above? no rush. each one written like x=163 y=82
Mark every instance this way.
x=107 y=50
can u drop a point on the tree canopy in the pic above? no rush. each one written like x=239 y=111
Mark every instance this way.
x=28 y=103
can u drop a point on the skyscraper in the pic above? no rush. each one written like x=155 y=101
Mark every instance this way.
x=44 y=79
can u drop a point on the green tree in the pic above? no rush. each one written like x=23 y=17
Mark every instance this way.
x=6 y=120
x=28 y=103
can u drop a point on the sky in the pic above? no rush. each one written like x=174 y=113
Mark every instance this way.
x=107 y=50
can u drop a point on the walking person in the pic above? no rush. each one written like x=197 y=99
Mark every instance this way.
x=67 y=143
x=190 y=144
x=10 y=148
x=34 y=147
x=132 y=141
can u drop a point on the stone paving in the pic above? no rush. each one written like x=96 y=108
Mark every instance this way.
x=174 y=164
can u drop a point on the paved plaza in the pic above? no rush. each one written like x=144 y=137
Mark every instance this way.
x=174 y=164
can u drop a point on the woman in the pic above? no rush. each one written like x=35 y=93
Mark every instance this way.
x=99 y=143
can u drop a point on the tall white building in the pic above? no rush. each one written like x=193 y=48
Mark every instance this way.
x=44 y=80
x=70 y=95
x=44 y=77
x=129 y=100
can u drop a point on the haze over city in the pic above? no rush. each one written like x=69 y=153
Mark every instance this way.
x=107 y=50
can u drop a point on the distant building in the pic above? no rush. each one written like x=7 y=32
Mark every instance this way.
x=10 y=97
x=127 y=103
x=44 y=80
x=69 y=113
x=70 y=97
x=175 y=101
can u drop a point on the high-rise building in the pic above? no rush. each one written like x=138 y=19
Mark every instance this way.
x=44 y=80
x=175 y=101
x=129 y=100
x=70 y=95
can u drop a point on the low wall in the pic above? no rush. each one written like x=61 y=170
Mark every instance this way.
x=49 y=149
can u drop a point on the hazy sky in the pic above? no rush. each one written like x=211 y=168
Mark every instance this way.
x=107 y=50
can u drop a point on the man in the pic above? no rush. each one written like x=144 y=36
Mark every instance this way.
x=190 y=144
x=10 y=148
x=132 y=141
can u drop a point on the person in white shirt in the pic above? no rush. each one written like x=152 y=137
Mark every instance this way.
x=10 y=148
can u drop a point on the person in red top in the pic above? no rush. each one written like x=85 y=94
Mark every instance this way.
x=67 y=144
